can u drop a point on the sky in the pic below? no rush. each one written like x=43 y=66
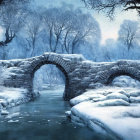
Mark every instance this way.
x=109 y=29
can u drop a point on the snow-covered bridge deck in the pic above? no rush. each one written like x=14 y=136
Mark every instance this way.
x=80 y=74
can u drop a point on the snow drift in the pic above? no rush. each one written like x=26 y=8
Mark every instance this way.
x=110 y=111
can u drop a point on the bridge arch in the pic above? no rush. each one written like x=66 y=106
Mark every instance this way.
x=59 y=62
x=123 y=71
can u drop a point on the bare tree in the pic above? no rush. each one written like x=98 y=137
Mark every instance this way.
x=11 y=24
x=109 y=6
x=32 y=29
x=54 y=21
x=4 y=2
x=79 y=30
x=129 y=33
x=67 y=28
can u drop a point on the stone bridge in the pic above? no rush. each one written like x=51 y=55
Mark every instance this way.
x=80 y=74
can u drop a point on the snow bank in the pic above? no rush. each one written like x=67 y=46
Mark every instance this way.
x=10 y=97
x=111 y=110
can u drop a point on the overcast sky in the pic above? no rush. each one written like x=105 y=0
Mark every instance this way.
x=109 y=29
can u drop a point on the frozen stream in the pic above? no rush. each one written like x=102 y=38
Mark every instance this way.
x=43 y=119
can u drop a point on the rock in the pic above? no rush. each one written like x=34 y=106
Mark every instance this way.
x=0 y=107
x=78 y=123
x=3 y=102
x=76 y=119
x=4 y=112
x=68 y=113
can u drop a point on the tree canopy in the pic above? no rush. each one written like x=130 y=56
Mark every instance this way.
x=129 y=34
x=10 y=1
x=110 y=6
x=69 y=28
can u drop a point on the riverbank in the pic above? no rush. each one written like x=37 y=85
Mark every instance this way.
x=10 y=97
x=110 y=110
x=43 y=119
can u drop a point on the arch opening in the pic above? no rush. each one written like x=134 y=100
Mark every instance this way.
x=118 y=74
x=50 y=75
x=123 y=80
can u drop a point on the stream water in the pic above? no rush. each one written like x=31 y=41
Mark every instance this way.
x=43 y=119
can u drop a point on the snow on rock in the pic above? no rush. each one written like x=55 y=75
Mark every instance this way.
x=113 y=102
x=101 y=94
x=116 y=121
x=13 y=115
x=109 y=110
x=68 y=113
x=10 y=94
x=4 y=112
x=135 y=93
x=117 y=96
x=3 y=103
x=13 y=121
x=135 y=99
x=87 y=96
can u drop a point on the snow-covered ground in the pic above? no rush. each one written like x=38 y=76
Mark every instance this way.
x=111 y=110
x=10 y=97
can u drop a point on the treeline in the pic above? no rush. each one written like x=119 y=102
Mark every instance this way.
x=61 y=30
